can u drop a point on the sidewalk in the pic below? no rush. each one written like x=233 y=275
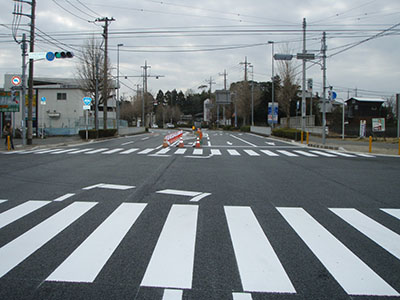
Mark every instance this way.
x=388 y=147
x=53 y=141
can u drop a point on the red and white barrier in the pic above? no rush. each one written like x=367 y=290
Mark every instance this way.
x=171 y=138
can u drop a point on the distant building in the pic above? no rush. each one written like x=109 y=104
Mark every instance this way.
x=63 y=112
x=359 y=108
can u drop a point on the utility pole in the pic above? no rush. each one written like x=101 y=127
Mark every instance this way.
x=246 y=64
x=211 y=82
x=323 y=50
x=145 y=67
x=303 y=94
x=252 y=95
x=96 y=100
x=106 y=21
x=22 y=100
x=223 y=106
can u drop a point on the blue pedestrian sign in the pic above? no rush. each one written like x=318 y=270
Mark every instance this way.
x=87 y=100
x=43 y=100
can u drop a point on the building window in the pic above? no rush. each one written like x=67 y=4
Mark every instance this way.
x=61 y=96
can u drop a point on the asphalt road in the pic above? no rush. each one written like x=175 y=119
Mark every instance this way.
x=244 y=217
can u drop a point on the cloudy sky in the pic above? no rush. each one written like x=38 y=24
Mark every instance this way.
x=190 y=41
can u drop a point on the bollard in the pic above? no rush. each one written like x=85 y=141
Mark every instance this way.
x=307 y=138
x=302 y=139
x=370 y=144
x=399 y=146
x=8 y=143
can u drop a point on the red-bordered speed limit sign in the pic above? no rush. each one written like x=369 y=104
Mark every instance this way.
x=16 y=80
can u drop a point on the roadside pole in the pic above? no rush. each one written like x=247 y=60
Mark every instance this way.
x=22 y=100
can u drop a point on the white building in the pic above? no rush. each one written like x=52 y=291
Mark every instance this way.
x=62 y=113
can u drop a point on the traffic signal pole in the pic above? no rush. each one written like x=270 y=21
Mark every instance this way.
x=23 y=83
x=30 y=83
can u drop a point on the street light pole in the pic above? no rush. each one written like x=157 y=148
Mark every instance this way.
x=117 y=102
x=273 y=85
x=252 y=95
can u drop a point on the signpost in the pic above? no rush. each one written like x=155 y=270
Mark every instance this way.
x=273 y=118
x=42 y=102
x=86 y=107
x=378 y=125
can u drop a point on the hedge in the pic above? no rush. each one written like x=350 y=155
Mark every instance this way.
x=288 y=133
x=93 y=134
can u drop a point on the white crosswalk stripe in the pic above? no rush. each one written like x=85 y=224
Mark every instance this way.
x=197 y=151
x=180 y=151
x=251 y=153
x=16 y=251
x=2 y=200
x=269 y=153
x=323 y=153
x=113 y=151
x=287 y=153
x=355 y=277
x=163 y=151
x=96 y=151
x=233 y=152
x=215 y=152
x=129 y=151
x=82 y=265
x=172 y=263
x=308 y=154
x=80 y=150
x=64 y=151
x=146 y=151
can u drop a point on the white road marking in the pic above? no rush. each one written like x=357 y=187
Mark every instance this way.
x=80 y=150
x=384 y=237
x=305 y=153
x=241 y=296
x=145 y=138
x=287 y=153
x=199 y=197
x=20 y=211
x=355 y=277
x=163 y=151
x=251 y=153
x=28 y=151
x=82 y=265
x=109 y=186
x=96 y=151
x=270 y=143
x=244 y=141
x=129 y=151
x=172 y=294
x=215 y=152
x=259 y=266
x=209 y=143
x=179 y=193
x=146 y=151
x=127 y=143
x=323 y=153
x=197 y=151
x=395 y=212
x=64 y=151
x=364 y=155
x=3 y=200
x=269 y=153
x=46 y=151
x=229 y=143
x=113 y=151
x=342 y=154
x=180 y=151
x=64 y=197
x=233 y=152
x=16 y=251
x=171 y=264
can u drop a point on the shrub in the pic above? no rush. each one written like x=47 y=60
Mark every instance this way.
x=245 y=128
x=288 y=133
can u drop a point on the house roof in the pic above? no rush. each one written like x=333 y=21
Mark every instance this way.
x=362 y=99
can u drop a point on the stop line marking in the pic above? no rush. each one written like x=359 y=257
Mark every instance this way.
x=197 y=196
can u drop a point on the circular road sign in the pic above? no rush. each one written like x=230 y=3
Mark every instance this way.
x=87 y=100
x=50 y=56
x=16 y=80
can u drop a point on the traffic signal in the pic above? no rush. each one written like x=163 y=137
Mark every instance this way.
x=50 y=56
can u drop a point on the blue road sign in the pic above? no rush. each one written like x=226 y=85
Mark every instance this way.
x=87 y=100
x=50 y=56
x=334 y=95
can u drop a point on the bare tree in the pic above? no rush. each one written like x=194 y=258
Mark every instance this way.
x=93 y=55
x=290 y=85
x=242 y=91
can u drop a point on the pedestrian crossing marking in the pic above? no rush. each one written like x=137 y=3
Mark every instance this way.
x=241 y=296
x=2 y=200
x=172 y=294
x=355 y=277
x=384 y=237
x=64 y=151
x=146 y=151
x=64 y=197
x=251 y=153
x=129 y=151
x=197 y=151
x=180 y=151
x=171 y=265
x=13 y=214
x=96 y=151
x=16 y=251
x=80 y=150
x=323 y=153
x=287 y=153
x=113 y=151
x=109 y=186
x=269 y=153
x=342 y=154
x=82 y=265
x=259 y=266
x=308 y=154
x=233 y=152
x=163 y=151
x=215 y=152
x=46 y=151
x=395 y=212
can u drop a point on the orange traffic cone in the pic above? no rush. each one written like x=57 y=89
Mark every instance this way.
x=198 y=143
x=165 y=143
x=181 y=144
